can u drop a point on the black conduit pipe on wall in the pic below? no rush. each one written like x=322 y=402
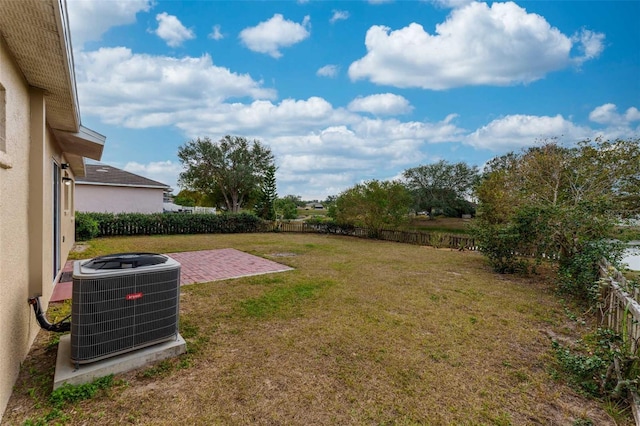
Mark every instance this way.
x=59 y=327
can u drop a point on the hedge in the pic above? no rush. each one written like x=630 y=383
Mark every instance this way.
x=91 y=225
x=109 y=224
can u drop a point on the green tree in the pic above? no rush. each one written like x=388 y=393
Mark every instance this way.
x=374 y=205
x=233 y=167
x=185 y=198
x=559 y=202
x=265 y=207
x=192 y=198
x=296 y=199
x=286 y=208
x=330 y=205
x=442 y=186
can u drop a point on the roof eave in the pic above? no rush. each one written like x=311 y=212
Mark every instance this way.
x=83 y=182
x=76 y=164
x=37 y=34
x=62 y=18
x=85 y=143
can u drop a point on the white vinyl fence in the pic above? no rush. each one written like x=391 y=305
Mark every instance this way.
x=175 y=208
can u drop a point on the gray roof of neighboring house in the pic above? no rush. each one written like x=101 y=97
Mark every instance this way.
x=101 y=174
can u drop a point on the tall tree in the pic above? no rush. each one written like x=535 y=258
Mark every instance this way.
x=233 y=166
x=442 y=185
x=374 y=205
x=265 y=207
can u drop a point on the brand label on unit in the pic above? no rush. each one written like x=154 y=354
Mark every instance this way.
x=134 y=296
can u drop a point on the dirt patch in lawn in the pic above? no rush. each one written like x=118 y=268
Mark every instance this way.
x=79 y=247
x=283 y=254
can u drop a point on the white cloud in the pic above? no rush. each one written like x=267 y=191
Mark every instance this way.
x=517 y=131
x=339 y=15
x=632 y=114
x=139 y=91
x=216 y=34
x=616 y=125
x=328 y=160
x=608 y=114
x=477 y=45
x=171 y=30
x=262 y=117
x=393 y=129
x=166 y=172
x=605 y=114
x=84 y=25
x=381 y=104
x=451 y=4
x=591 y=44
x=272 y=35
x=328 y=71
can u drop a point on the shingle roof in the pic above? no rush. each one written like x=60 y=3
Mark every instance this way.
x=100 y=174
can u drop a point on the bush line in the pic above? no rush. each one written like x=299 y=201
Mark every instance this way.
x=92 y=225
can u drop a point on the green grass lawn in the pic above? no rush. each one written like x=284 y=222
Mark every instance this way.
x=360 y=332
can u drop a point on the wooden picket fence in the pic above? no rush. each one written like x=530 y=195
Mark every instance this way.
x=620 y=308
x=434 y=239
x=620 y=312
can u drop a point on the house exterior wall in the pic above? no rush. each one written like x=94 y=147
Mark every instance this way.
x=117 y=199
x=19 y=329
x=26 y=217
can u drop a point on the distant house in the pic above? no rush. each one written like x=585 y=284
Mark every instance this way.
x=107 y=189
x=43 y=146
x=314 y=206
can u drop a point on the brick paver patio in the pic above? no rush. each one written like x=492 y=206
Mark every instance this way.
x=196 y=267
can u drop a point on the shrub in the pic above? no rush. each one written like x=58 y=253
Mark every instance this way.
x=126 y=224
x=498 y=243
x=578 y=275
x=599 y=365
x=330 y=226
x=86 y=227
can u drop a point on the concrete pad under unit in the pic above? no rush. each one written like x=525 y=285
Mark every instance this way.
x=66 y=371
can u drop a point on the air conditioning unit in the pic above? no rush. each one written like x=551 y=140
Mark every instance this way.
x=123 y=302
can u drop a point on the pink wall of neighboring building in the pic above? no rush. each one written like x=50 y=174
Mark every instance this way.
x=117 y=199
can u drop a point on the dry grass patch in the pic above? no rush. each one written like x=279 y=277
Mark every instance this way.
x=447 y=225
x=361 y=332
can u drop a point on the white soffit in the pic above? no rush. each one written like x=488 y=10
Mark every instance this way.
x=37 y=34
x=84 y=142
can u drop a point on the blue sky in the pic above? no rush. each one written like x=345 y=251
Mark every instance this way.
x=348 y=91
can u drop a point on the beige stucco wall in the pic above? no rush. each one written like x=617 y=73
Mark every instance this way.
x=26 y=219
x=118 y=199
x=19 y=329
